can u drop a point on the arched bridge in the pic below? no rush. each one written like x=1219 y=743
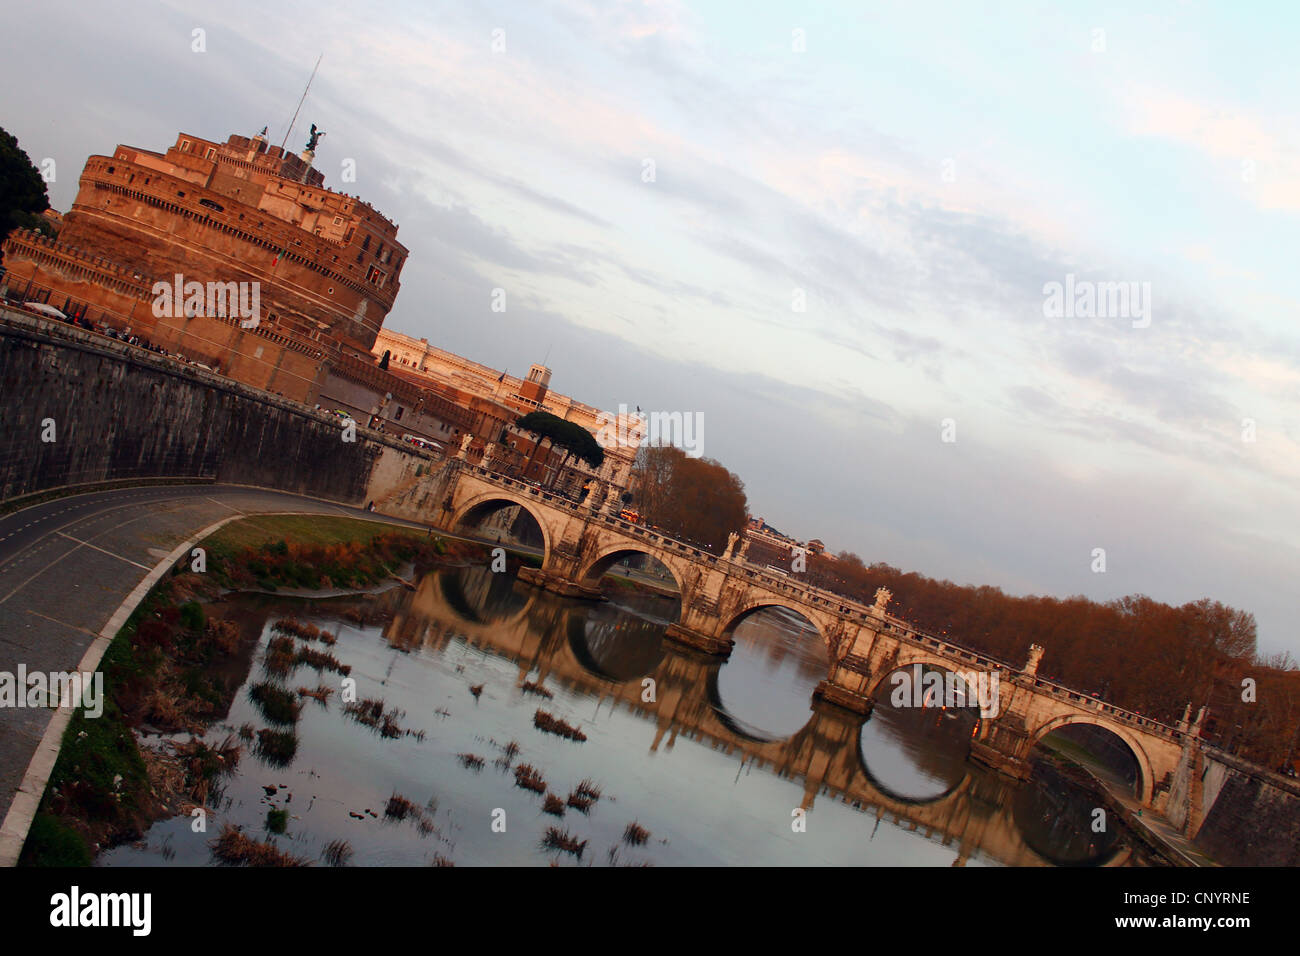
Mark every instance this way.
x=866 y=643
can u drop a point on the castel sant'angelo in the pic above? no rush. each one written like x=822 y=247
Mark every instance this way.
x=323 y=269
x=326 y=263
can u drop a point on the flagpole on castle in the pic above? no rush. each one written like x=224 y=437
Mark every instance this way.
x=288 y=132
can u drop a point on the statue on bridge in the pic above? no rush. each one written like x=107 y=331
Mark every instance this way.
x=882 y=600
x=732 y=538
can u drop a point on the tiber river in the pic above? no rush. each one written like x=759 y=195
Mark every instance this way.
x=715 y=762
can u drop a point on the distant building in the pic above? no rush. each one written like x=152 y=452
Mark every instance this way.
x=498 y=399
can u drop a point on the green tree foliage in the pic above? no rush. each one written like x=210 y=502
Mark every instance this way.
x=23 y=196
x=572 y=437
x=696 y=499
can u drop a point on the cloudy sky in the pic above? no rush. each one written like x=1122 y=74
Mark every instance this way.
x=826 y=228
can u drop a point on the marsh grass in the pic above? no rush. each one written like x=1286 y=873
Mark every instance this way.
x=372 y=713
x=233 y=847
x=277 y=747
x=529 y=778
x=337 y=853
x=470 y=761
x=399 y=808
x=321 y=694
x=528 y=687
x=551 y=724
x=277 y=705
x=557 y=839
x=635 y=834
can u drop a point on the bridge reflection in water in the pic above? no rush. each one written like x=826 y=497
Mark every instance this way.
x=902 y=767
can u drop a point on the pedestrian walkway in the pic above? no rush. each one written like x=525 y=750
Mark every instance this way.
x=1155 y=827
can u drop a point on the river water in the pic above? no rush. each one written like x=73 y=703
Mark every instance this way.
x=716 y=763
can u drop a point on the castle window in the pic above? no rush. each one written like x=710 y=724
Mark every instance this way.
x=365 y=244
x=211 y=152
x=185 y=146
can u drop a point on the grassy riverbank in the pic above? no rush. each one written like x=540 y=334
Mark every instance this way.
x=174 y=668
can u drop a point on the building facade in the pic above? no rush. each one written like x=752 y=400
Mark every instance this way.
x=499 y=399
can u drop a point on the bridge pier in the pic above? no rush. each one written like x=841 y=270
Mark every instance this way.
x=721 y=646
x=1003 y=747
x=558 y=584
x=846 y=688
x=841 y=697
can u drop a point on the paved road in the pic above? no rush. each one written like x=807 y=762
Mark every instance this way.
x=68 y=564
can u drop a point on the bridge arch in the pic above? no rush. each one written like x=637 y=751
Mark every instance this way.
x=907 y=657
x=607 y=557
x=734 y=725
x=610 y=556
x=619 y=654
x=761 y=601
x=452 y=597
x=952 y=794
x=489 y=502
x=1146 y=774
x=883 y=693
